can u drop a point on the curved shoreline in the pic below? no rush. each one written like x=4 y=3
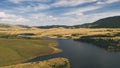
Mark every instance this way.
x=51 y=45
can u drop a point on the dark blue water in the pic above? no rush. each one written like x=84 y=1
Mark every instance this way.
x=83 y=55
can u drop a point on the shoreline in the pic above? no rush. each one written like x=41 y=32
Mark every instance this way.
x=51 y=45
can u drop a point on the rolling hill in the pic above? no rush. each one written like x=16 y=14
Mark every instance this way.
x=109 y=22
x=2 y=25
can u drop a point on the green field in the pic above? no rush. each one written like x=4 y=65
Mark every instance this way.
x=14 y=51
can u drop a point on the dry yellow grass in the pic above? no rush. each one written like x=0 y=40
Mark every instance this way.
x=52 y=63
x=54 y=32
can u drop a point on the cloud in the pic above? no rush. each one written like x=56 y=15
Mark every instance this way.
x=81 y=11
x=107 y=1
x=71 y=2
x=7 y=16
x=57 y=12
x=4 y=17
x=31 y=8
x=15 y=1
x=19 y=1
x=42 y=19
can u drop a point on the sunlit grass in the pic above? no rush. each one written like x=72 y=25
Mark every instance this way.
x=19 y=50
x=52 y=63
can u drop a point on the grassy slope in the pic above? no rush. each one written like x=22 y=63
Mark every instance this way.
x=18 y=50
x=52 y=63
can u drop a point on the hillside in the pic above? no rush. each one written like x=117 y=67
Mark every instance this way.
x=110 y=22
x=2 y=25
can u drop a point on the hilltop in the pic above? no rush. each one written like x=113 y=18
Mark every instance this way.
x=109 y=22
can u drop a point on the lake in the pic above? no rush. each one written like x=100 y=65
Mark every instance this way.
x=25 y=35
x=83 y=55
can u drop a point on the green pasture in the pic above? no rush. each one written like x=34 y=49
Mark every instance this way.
x=14 y=51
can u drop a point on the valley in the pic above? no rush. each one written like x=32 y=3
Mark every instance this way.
x=27 y=43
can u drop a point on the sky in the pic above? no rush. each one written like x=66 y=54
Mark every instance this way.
x=56 y=12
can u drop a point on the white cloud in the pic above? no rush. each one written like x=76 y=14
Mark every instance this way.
x=107 y=1
x=19 y=1
x=42 y=19
x=30 y=8
x=5 y=17
x=81 y=11
x=71 y=2
x=15 y=1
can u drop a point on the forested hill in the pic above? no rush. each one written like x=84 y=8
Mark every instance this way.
x=110 y=22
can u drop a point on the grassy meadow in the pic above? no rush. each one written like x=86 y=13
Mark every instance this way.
x=59 y=32
x=13 y=51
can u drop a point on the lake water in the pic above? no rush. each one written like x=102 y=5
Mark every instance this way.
x=26 y=35
x=83 y=55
